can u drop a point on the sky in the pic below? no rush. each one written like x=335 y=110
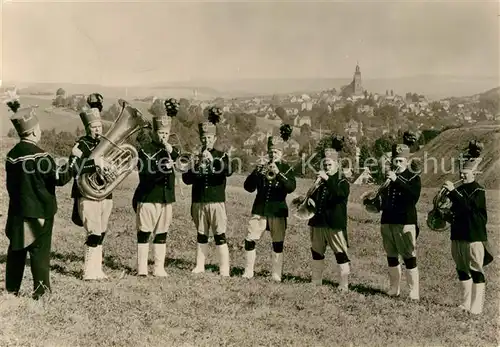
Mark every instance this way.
x=133 y=43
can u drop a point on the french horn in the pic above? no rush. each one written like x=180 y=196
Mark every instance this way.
x=112 y=149
x=440 y=216
x=305 y=208
x=372 y=200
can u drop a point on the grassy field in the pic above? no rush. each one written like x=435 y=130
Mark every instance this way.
x=206 y=310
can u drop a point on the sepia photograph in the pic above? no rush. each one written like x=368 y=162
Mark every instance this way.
x=249 y=173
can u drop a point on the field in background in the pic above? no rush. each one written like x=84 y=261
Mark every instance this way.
x=188 y=310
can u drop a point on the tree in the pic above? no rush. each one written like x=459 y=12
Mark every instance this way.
x=280 y=112
x=305 y=130
x=348 y=112
x=365 y=156
x=61 y=91
x=366 y=94
x=392 y=92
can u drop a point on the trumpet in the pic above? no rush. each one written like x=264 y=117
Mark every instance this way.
x=183 y=161
x=202 y=162
x=440 y=216
x=264 y=167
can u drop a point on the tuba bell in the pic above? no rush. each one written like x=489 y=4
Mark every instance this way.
x=303 y=208
x=440 y=216
x=112 y=149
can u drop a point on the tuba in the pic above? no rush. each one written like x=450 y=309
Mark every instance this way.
x=112 y=149
x=440 y=215
x=303 y=209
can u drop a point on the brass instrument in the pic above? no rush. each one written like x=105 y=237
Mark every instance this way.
x=201 y=162
x=264 y=168
x=303 y=208
x=372 y=200
x=112 y=149
x=184 y=160
x=439 y=217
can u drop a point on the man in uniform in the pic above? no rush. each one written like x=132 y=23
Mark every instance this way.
x=269 y=211
x=469 y=235
x=399 y=221
x=31 y=176
x=208 y=195
x=155 y=193
x=93 y=215
x=329 y=223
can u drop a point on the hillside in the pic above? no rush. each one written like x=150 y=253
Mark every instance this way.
x=448 y=145
x=50 y=117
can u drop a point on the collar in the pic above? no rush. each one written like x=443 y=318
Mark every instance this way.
x=28 y=141
x=91 y=139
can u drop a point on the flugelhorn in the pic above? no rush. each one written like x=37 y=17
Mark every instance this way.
x=440 y=216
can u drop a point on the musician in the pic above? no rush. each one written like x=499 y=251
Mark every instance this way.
x=469 y=235
x=31 y=178
x=399 y=221
x=92 y=215
x=328 y=226
x=270 y=211
x=155 y=193
x=208 y=176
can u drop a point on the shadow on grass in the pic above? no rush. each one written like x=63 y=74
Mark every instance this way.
x=182 y=264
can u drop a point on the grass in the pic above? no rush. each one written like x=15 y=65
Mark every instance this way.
x=207 y=310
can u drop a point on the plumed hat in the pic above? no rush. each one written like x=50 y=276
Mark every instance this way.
x=89 y=116
x=471 y=158
x=24 y=119
x=163 y=112
x=278 y=142
x=400 y=150
x=210 y=127
x=333 y=147
x=95 y=100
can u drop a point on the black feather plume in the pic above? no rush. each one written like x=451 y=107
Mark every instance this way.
x=95 y=100
x=474 y=149
x=337 y=143
x=409 y=138
x=214 y=114
x=14 y=105
x=285 y=131
x=172 y=107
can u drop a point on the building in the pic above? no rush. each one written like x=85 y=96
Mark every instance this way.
x=355 y=88
x=358 y=89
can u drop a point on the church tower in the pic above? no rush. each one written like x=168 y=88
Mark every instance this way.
x=358 y=89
